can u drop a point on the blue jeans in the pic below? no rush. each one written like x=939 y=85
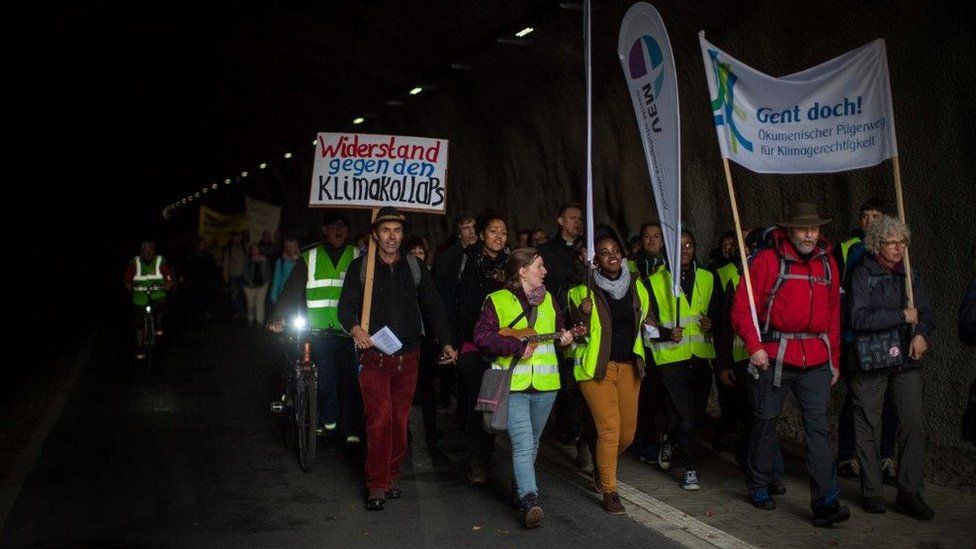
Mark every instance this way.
x=527 y=416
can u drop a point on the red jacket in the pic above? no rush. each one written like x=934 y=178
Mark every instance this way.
x=799 y=306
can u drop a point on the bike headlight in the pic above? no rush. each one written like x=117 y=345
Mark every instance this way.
x=148 y=309
x=299 y=323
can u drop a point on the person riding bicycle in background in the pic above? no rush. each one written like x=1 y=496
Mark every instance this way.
x=314 y=286
x=148 y=270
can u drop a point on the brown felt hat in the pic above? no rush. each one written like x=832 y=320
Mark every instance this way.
x=803 y=214
x=389 y=213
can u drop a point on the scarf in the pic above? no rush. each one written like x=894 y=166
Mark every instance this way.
x=616 y=288
x=536 y=296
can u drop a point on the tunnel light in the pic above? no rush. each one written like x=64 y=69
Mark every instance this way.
x=214 y=186
x=196 y=194
x=524 y=32
x=394 y=103
x=315 y=142
x=243 y=174
x=227 y=181
x=206 y=190
x=359 y=120
x=263 y=165
x=287 y=155
x=416 y=90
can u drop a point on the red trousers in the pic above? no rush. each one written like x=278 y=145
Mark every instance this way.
x=387 y=384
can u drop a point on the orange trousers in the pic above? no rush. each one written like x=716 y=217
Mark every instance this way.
x=613 y=404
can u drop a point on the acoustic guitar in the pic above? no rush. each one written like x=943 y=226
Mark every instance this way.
x=529 y=335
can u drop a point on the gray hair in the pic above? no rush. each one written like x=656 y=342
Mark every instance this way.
x=884 y=229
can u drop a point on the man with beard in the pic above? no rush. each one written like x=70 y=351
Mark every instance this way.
x=797 y=298
x=406 y=302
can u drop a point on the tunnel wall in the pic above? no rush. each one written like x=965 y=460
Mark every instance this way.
x=516 y=124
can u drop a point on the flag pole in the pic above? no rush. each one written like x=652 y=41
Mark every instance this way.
x=588 y=67
x=909 y=286
x=742 y=246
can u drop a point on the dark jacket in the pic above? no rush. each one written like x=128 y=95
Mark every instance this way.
x=722 y=321
x=445 y=270
x=252 y=269
x=397 y=303
x=877 y=302
x=563 y=269
x=479 y=277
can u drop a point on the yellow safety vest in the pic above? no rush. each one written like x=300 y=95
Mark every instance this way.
x=693 y=340
x=846 y=246
x=541 y=370
x=324 y=284
x=585 y=356
x=729 y=274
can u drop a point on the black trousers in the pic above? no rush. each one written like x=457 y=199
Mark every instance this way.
x=688 y=383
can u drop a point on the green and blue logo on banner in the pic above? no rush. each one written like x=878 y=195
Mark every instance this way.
x=724 y=105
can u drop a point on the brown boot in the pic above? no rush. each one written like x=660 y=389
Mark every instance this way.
x=612 y=504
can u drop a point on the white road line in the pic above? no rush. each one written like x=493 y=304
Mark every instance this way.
x=665 y=519
x=10 y=489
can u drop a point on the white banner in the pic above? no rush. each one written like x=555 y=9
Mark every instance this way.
x=645 y=56
x=261 y=217
x=355 y=170
x=834 y=117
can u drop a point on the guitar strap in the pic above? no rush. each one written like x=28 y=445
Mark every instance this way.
x=532 y=314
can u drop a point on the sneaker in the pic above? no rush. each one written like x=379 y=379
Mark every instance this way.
x=666 y=455
x=760 y=499
x=873 y=505
x=376 y=500
x=776 y=488
x=889 y=473
x=690 y=480
x=479 y=473
x=530 y=511
x=611 y=503
x=913 y=505
x=849 y=469
x=827 y=515
x=649 y=454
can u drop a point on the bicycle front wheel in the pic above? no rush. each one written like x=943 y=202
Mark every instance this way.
x=306 y=419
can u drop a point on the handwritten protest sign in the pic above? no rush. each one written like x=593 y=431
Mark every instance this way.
x=354 y=170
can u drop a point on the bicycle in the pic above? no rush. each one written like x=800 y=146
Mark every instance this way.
x=146 y=327
x=299 y=410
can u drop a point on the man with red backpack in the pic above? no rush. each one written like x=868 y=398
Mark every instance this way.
x=797 y=298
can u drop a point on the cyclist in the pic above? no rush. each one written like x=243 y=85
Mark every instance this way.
x=313 y=288
x=148 y=270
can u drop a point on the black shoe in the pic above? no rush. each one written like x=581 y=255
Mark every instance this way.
x=776 y=488
x=826 y=515
x=394 y=491
x=376 y=500
x=530 y=511
x=913 y=505
x=873 y=505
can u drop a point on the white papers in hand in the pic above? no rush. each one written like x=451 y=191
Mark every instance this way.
x=386 y=341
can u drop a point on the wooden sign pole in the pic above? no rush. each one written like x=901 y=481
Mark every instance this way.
x=370 y=272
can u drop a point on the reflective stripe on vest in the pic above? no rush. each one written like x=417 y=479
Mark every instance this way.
x=693 y=342
x=586 y=353
x=729 y=274
x=323 y=286
x=541 y=370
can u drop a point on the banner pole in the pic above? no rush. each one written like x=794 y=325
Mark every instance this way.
x=909 y=285
x=588 y=68
x=370 y=272
x=742 y=246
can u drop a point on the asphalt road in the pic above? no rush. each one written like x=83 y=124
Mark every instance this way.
x=188 y=455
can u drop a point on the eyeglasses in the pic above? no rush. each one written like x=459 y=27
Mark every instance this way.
x=894 y=244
